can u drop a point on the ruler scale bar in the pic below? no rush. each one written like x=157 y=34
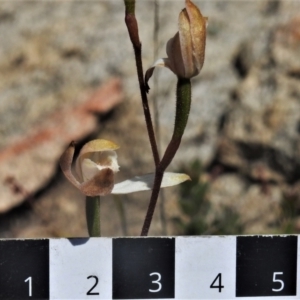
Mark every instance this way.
x=200 y=267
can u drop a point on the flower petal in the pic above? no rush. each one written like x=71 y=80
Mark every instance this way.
x=174 y=53
x=162 y=62
x=65 y=162
x=89 y=169
x=100 y=185
x=145 y=182
x=198 y=31
x=186 y=46
x=91 y=147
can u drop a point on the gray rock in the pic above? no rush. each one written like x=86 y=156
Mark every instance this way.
x=262 y=125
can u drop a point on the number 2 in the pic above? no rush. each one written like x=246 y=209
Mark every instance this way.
x=157 y=282
x=279 y=281
x=90 y=291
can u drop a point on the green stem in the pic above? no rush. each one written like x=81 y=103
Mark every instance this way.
x=129 y=6
x=92 y=207
x=183 y=104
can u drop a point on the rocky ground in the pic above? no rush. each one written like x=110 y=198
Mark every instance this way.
x=67 y=73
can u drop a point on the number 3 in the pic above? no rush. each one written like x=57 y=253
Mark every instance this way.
x=279 y=281
x=157 y=282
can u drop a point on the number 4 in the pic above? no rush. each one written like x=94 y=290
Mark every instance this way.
x=218 y=280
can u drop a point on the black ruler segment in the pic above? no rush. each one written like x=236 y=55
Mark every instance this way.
x=266 y=266
x=143 y=268
x=24 y=269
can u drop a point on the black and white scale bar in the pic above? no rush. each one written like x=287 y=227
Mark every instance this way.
x=228 y=267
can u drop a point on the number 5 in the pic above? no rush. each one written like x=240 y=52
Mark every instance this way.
x=279 y=281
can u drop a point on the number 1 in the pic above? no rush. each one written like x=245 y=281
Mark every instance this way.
x=29 y=279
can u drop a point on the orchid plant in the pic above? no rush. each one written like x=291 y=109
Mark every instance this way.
x=97 y=164
x=186 y=51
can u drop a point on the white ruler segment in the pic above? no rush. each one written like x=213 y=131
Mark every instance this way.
x=212 y=257
x=76 y=268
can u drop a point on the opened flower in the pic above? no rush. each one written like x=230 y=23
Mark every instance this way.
x=96 y=166
x=187 y=48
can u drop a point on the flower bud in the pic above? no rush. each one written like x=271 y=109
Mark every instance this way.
x=186 y=49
